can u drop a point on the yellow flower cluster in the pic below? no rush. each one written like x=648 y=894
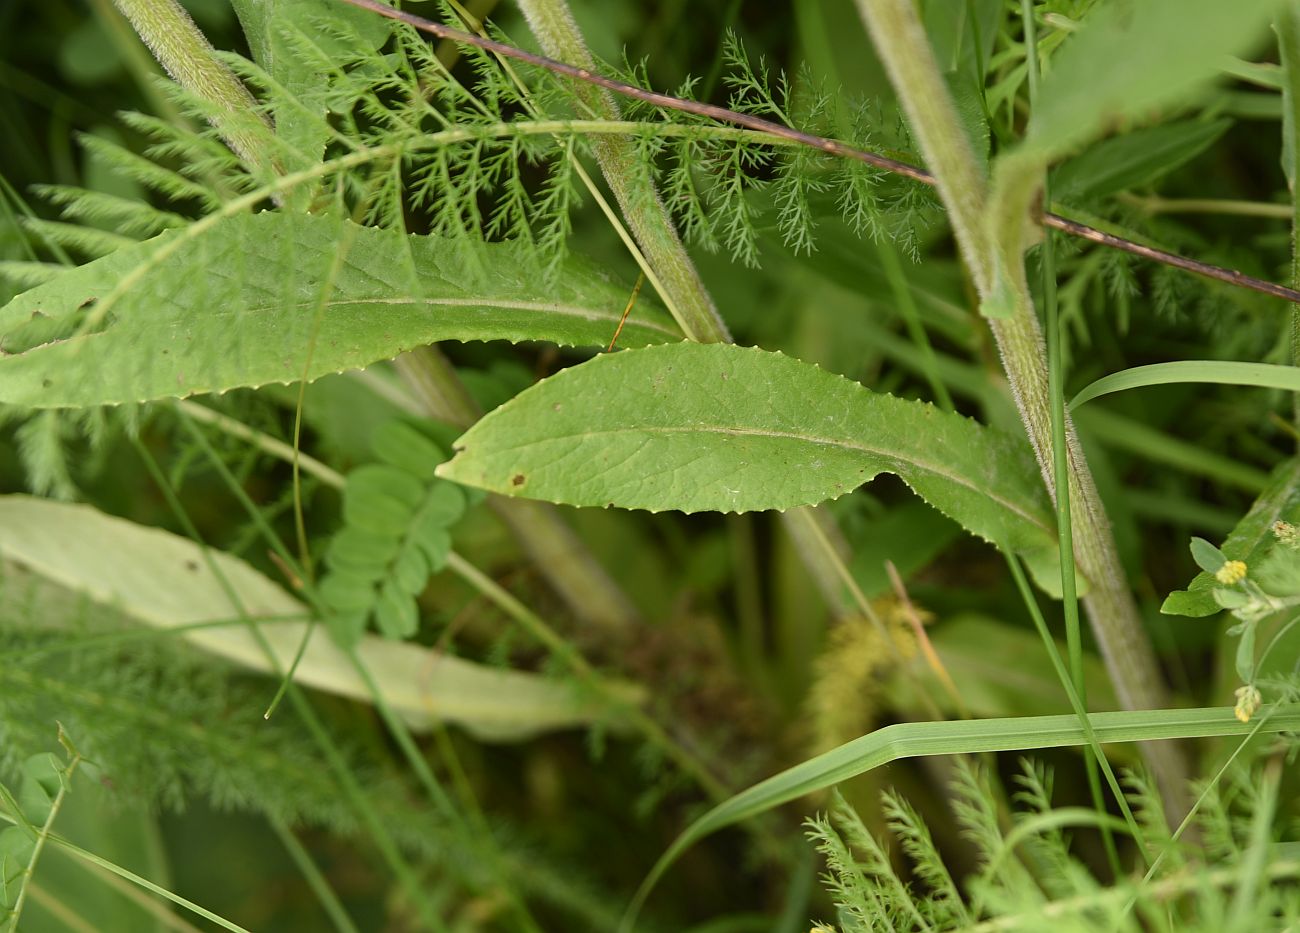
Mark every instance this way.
x=1232 y=571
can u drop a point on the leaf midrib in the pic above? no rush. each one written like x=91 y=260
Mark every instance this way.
x=789 y=435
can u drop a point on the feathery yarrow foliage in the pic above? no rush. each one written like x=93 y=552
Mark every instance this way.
x=1028 y=875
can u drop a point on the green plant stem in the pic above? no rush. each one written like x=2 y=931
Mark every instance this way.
x=563 y=651
x=318 y=883
x=633 y=185
x=1153 y=204
x=1288 y=42
x=905 y=50
x=527 y=619
x=1060 y=463
x=559 y=554
x=384 y=842
x=103 y=863
x=906 y=305
x=629 y=178
x=186 y=55
x=42 y=834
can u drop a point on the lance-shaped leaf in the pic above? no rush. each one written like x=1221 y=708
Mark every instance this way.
x=161 y=580
x=714 y=427
x=267 y=298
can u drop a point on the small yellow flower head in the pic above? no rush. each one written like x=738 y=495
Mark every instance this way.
x=1287 y=533
x=1232 y=571
x=1248 y=702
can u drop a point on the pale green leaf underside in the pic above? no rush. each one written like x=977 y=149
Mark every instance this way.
x=238 y=304
x=1219 y=372
x=715 y=427
x=911 y=740
x=164 y=581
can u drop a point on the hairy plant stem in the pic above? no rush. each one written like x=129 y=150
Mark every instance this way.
x=630 y=178
x=904 y=48
x=186 y=55
x=1288 y=45
x=559 y=554
x=633 y=185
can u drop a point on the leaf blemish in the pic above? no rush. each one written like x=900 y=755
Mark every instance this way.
x=518 y=479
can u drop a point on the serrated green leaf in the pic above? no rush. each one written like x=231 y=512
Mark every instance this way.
x=237 y=305
x=731 y=429
x=1134 y=159
x=405 y=447
x=165 y=581
x=1250 y=541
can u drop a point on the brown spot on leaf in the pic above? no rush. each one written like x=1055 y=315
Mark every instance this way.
x=517 y=479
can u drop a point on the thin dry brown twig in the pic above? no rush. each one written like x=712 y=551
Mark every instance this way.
x=829 y=146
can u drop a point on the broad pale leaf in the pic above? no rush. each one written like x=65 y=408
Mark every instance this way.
x=162 y=580
x=266 y=298
x=714 y=427
x=1251 y=541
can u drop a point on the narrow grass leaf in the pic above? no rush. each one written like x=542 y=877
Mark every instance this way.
x=238 y=306
x=969 y=737
x=1221 y=372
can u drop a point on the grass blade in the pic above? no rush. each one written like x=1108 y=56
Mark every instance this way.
x=917 y=739
x=1222 y=372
